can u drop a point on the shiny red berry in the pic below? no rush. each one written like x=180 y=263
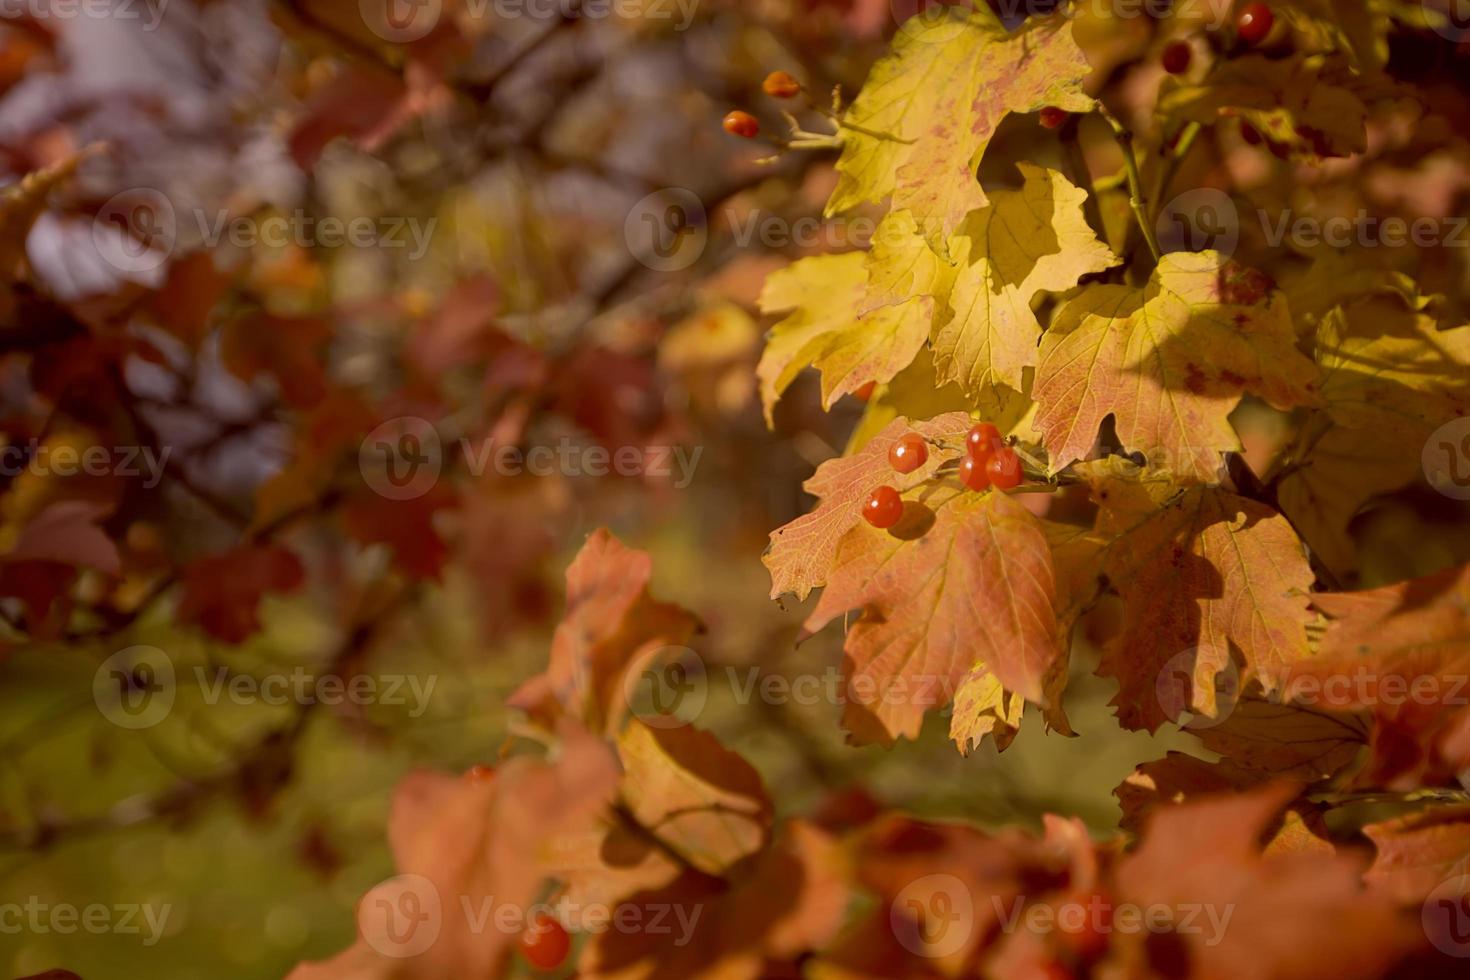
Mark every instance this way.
x=982 y=440
x=544 y=942
x=884 y=507
x=1052 y=117
x=1254 y=23
x=743 y=124
x=479 y=774
x=1177 y=56
x=908 y=453
x=781 y=85
x=973 y=475
x=1004 y=469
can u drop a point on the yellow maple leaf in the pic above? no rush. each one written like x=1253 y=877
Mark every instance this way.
x=930 y=107
x=1169 y=362
x=1025 y=241
x=850 y=333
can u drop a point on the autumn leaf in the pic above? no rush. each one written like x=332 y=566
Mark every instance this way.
x=801 y=553
x=1202 y=573
x=463 y=843
x=1023 y=242
x=1402 y=654
x=1390 y=377
x=611 y=626
x=1355 y=27
x=1169 y=362
x=790 y=901
x=406 y=527
x=1418 y=852
x=1293 y=916
x=833 y=329
x=1306 y=105
x=929 y=108
x=971 y=584
x=699 y=798
x=222 y=592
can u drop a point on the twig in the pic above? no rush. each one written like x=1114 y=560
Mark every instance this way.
x=1136 y=198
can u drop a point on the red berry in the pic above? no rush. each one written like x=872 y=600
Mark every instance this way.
x=1052 y=117
x=743 y=124
x=544 y=942
x=1254 y=23
x=973 y=475
x=865 y=392
x=982 y=440
x=1250 y=134
x=780 y=85
x=1004 y=469
x=908 y=453
x=1177 y=57
x=884 y=507
x=479 y=774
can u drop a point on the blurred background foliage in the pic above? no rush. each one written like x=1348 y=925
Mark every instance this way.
x=528 y=143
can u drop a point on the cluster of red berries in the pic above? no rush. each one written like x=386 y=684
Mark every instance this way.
x=988 y=462
x=1252 y=27
x=778 y=85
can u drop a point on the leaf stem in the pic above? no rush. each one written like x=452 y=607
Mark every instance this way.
x=1136 y=198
